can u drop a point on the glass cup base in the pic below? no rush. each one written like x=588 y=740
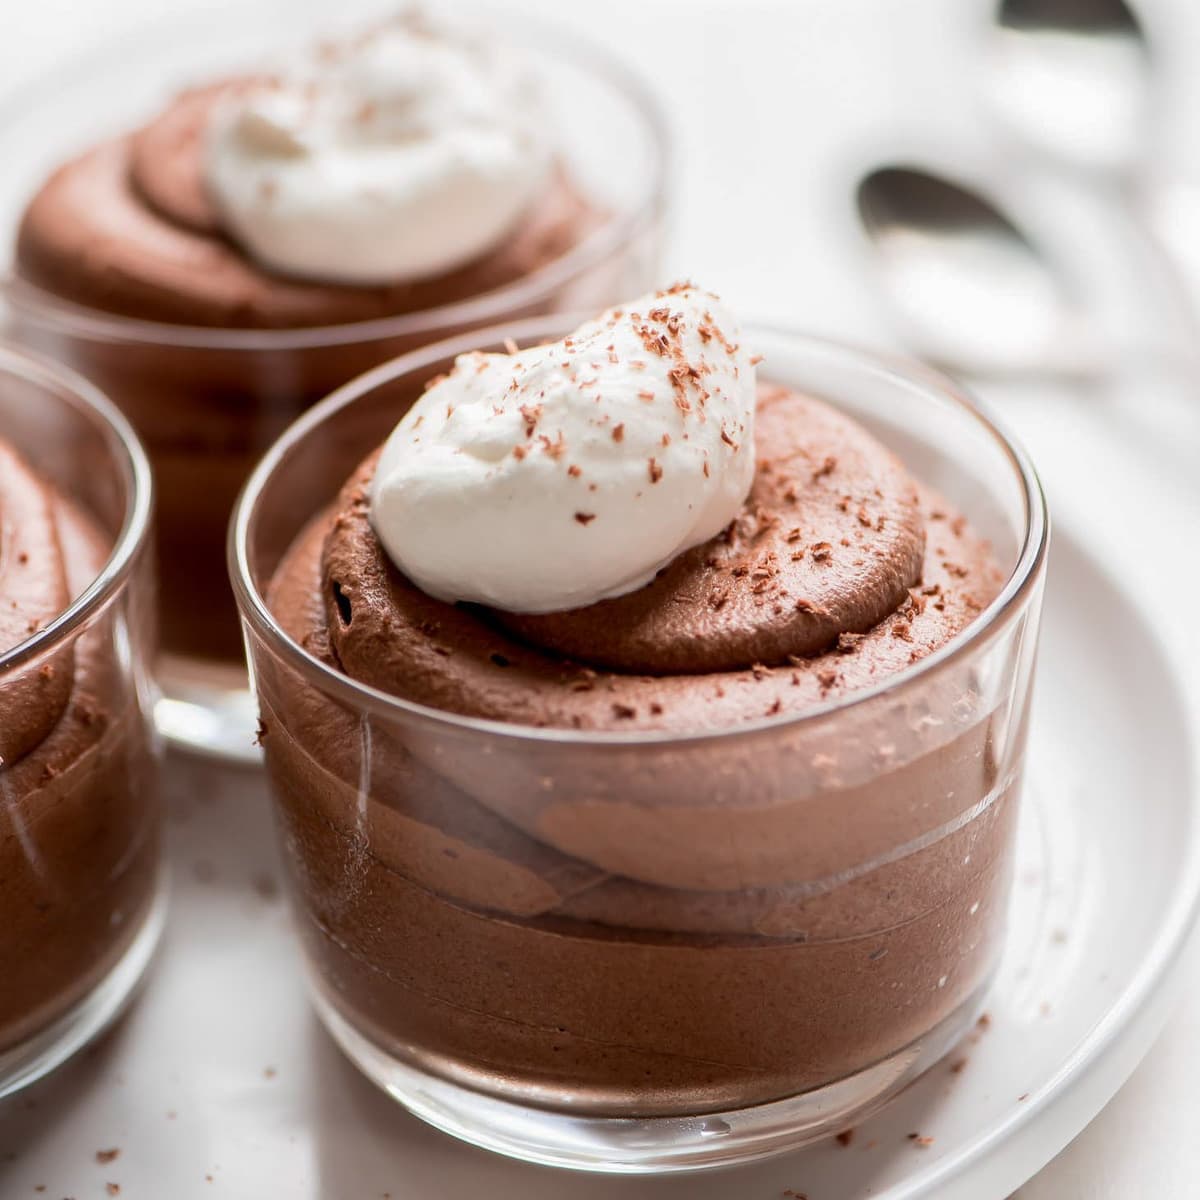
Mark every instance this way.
x=52 y=1046
x=654 y=1145
x=207 y=708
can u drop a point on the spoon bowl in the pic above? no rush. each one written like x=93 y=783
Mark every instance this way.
x=975 y=292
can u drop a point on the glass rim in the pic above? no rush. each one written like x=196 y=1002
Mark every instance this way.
x=254 y=610
x=130 y=459
x=616 y=230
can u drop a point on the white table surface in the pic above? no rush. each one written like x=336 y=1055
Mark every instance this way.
x=779 y=106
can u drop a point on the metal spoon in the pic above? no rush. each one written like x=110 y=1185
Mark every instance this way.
x=976 y=294
x=1074 y=79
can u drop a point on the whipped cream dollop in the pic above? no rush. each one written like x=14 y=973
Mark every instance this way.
x=400 y=155
x=556 y=476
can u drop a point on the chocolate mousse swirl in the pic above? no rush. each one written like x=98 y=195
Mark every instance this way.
x=839 y=571
x=33 y=591
x=128 y=227
x=78 y=818
x=669 y=927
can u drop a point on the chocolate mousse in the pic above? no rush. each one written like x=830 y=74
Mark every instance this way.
x=132 y=228
x=79 y=822
x=128 y=227
x=689 y=918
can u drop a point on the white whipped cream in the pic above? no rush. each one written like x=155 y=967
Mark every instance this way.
x=563 y=474
x=403 y=154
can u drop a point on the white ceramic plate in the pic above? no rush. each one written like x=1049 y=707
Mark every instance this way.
x=220 y=1083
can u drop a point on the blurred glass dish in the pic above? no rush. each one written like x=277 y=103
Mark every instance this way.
x=81 y=895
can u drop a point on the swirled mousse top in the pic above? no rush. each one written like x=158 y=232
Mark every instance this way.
x=409 y=167
x=696 y=602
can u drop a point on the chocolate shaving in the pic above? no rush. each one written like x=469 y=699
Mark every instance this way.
x=847 y=643
x=679 y=376
x=531 y=414
x=655 y=343
x=584 y=682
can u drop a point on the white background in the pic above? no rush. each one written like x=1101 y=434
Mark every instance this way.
x=778 y=107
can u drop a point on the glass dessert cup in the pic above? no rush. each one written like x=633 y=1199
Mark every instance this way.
x=207 y=402
x=81 y=889
x=650 y=952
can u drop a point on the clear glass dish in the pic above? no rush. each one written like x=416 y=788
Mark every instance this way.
x=81 y=888
x=207 y=402
x=648 y=952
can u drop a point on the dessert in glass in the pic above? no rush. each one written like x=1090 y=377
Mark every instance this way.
x=645 y=725
x=80 y=884
x=219 y=261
